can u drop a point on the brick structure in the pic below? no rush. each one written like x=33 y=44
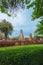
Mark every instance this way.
x=21 y=36
x=20 y=40
x=30 y=37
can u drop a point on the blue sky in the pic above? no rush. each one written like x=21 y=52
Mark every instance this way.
x=23 y=21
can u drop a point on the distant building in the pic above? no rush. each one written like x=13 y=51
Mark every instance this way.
x=21 y=36
x=30 y=37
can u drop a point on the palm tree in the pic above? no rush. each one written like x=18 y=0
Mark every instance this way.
x=6 y=28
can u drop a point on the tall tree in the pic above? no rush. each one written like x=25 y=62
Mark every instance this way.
x=6 y=28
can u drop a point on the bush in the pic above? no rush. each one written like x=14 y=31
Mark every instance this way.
x=22 y=55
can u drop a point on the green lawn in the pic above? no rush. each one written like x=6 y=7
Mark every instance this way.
x=22 y=55
x=22 y=46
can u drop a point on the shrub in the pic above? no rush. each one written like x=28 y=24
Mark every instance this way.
x=22 y=55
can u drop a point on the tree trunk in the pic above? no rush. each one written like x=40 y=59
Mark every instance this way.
x=5 y=36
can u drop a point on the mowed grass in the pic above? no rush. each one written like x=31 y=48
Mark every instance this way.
x=22 y=46
x=22 y=55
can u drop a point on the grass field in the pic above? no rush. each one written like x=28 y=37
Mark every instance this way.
x=22 y=55
x=22 y=46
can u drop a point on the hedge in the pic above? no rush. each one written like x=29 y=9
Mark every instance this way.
x=22 y=55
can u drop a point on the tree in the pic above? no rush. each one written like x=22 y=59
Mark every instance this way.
x=12 y=5
x=39 y=30
x=37 y=6
x=6 y=28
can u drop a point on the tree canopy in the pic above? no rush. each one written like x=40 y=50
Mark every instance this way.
x=6 y=28
x=37 y=6
x=7 y=6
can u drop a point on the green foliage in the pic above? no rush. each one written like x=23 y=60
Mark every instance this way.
x=39 y=30
x=13 y=5
x=22 y=55
x=7 y=6
x=37 y=6
x=6 y=28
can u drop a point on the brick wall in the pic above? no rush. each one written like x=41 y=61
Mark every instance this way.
x=16 y=42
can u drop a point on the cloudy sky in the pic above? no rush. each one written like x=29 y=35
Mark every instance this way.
x=23 y=21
